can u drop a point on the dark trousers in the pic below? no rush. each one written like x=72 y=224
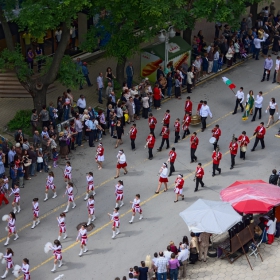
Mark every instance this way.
x=257 y=141
x=145 y=112
x=242 y=154
x=232 y=158
x=256 y=111
x=186 y=132
x=266 y=75
x=132 y=141
x=172 y=168
x=162 y=143
x=177 y=136
x=197 y=182
x=90 y=138
x=189 y=88
x=150 y=152
x=237 y=102
x=88 y=80
x=274 y=76
x=216 y=167
x=256 y=53
x=203 y=122
x=193 y=157
x=81 y=110
x=152 y=131
x=215 y=145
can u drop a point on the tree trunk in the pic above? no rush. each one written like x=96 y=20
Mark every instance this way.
x=39 y=95
x=120 y=70
x=7 y=31
x=254 y=12
x=187 y=36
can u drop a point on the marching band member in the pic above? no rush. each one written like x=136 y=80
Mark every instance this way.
x=216 y=156
x=100 y=155
x=57 y=254
x=11 y=227
x=194 y=141
x=172 y=157
x=90 y=185
x=25 y=269
x=67 y=172
x=233 y=147
x=216 y=133
x=165 y=137
x=119 y=193
x=150 y=142
x=188 y=106
x=9 y=261
x=199 y=105
x=90 y=207
x=121 y=163
x=198 y=177
x=185 y=124
x=244 y=141
x=259 y=132
x=82 y=237
x=35 y=209
x=204 y=113
x=162 y=177
x=69 y=192
x=16 y=201
x=152 y=121
x=62 y=226
x=136 y=208
x=50 y=185
x=132 y=135
x=177 y=130
x=179 y=184
x=116 y=222
x=166 y=118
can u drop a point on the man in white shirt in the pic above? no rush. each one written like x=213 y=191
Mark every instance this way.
x=258 y=106
x=277 y=62
x=257 y=43
x=239 y=99
x=100 y=86
x=204 y=113
x=183 y=258
x=197 y=65
x=81 y=104
x=161 y=266
x=268 y=64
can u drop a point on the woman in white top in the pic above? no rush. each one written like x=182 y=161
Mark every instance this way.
x=271 y=224
x=163 y=177
x=272 y=107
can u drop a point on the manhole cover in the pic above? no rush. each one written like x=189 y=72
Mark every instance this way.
x=89 y=227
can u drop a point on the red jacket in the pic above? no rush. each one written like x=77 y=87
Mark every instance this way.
x=244 y=140
x=186 y=122
x=199 y=172
x=152 y=121
x=199 y=107
x=177 y=126
x=166 y=118
x=172 y=156
x=194 y=142
x=157 y=94
x=216 y=133
x=151 y=141
x=233 y=147
x=188 y=106
x=165 y=132
x=216 y=156
x=260 y=130
x=179 y=183
x=133 y=132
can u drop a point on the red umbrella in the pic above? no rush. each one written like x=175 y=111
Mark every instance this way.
x=255 y=196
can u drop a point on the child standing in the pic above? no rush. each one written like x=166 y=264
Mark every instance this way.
x=55 y=157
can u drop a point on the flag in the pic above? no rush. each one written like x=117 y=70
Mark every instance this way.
x=228 y=82
x=249 y=107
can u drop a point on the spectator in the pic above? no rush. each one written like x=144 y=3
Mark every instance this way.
x=53 y=114
x=174 y=266
x=64 y=151
x=81 y=104
x=5 y=149
x=183 y=259
x=162 y=84
x=249 y=22
x=137 y=103
x=86 y=73
x=190 y=77
x=173 y=248
x=178 y=84
x=25 y=144
x=167 y=253
x=13 y=175
x=109 y=89
x=145 y=105
x=2 y=167
x=203 y=245
x=110 y=76
x=19 y=136
x=59 y=108
x=161 y=265
x=26 y=164
x=273 y=178
x=36 y=139
x=149 y=264
x=34 y=120
x=216 y=59
x=33 y=156
x=129 y=74
x=100 y=86
x=131 y=107
x=30 y=59
x=113 y=99
x=159 y=72
x=194 y=249
x=143 y=271
x=20 y=175
x=205 y=64
x=44 y=116
x=79 y=128
x=39 y=160
x=210 y=59
x=136 y=272
x=11 y=155
x=66 y=106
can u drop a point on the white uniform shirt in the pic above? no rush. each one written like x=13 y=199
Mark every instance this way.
x=205 y=111
x=240 y=95
x=277 y=62
x=258 y=101
x=122 y=158
x=164 y=172
x=271 y=226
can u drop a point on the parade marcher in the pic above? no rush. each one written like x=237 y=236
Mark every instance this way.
x=199 y=105
x=132 y=135
x=177 y=130
x=258 y=106
x=69 y=192
x=152 y=121
x=244 y=140
x=62 y=226
x=3 y=190
x=272 y=107
x=185 y=124
x=171 y=158
x=277 y=64
x=100 y=155
x=166 y=118
x=119 y=193
x=194 y=141
x=9 y=261
x=16 y=201
x=67 y=172
x=90 y=185
x=82 y=237
x=136 y=208
x=163 y=174
x=259 y=132
x=239 y=99
x=204 y=113
x=216 y=133
x=56 y=247
x=11 y=227
x=150 y=142
x=115 y=218
x=90 y=207
x=50 y=185
x=25 y=269
x=179 y=184
x=199 y=173
x=216 y=156
x=35 y=209
x=165 y=137
x=233 y=147
x=188 y=106
x=121 y=163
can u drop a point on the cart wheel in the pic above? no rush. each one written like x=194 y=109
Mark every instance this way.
x=212 y=253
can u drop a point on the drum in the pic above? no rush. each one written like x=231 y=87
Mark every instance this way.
x=195 y=119
x=243 y=149
x=212 y=140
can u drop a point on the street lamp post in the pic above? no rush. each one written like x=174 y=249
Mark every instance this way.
x=164 y=37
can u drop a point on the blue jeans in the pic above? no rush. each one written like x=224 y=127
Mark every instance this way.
x=88 y=81
x=129 y=81
x=256 y=53
x=39 y=166
x=169 y=91
x=100 y=95
x=33 y=168
x=66 y=114
x=79 y=138
x=173 y=274
x=162 y=276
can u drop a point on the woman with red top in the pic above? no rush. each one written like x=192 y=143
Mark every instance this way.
x=157 y=97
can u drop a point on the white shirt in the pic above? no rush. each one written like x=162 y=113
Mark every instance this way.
x=183 y=255
x=205 y=111
x=81 y=103
x=122 y=158
x=277 y=62
x=257 y=42
x=272 y=105
x=167 y=255
x=240 y=95
x=258 y=101
x=164 y=172
x=271 y=226
x=100 y=82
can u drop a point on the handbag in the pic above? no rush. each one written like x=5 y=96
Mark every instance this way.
x=39 y=159
x=28 y=163
x=193 y=250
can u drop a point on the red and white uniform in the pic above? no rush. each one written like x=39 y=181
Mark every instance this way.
x=57 y=252
x=233 y=147
x=35 y=209
x=194 y=142
x=61 y=224
x=119 y=192
x=16 y=193
x=100 y=153
x=163 y=175
x=69 y=192
x=9 y=260
x=216 y=156
x=179 y=183
x=50 y=183
x=90 y=186
x=90 y=206
x=216 y=132
x=12 y=225
x=186 y=122
x=115 y=218
x=152 y=121
x=172 y=156
x=244 y=140
x=188 y=106
x=25 y=270
x=67 y=172
x=82 y=235
x=199 y=172
x=121 y=161
x=151 y=141
x=166 y=118
x=136 y=206
x=133 y=132
x=260 y=131
x=165 y=132
x=177 y=126
x=199 y=107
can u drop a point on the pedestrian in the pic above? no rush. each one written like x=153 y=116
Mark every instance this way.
x=268 y=64
x=121 y=163
x=67 y=172
x=272 y=107
x=152 y=121
x=244 y=140
x=190 y=77
x=239 y=99
x=271 y=225
x=203 y=240
x=11 y=227
x=90 y=185
x=56 y=247
x=100 y=86
x=165 y=137
x=216 y=156
x=257 y=45
x=258 y=106
x=82 y=237
x=150 y=142
x=55 y=157
x=166 y=118
x=9 y=261
x=132 y=135
x=86 y=73
x=20 y=175
x=199 y=173
x=177 y=130
x=15 y=191
x=129 y=74
x=100 y=156
x=157 y=96
x=25 y=269
x=216 y=133
x=162 y=178
x=35 y=209
x=69 y=192
x=194 y=141
x=90 y=207
x=115 y=218
x=90 y=128
x=171 y=158
x=136 y=208
x=120 y=132
x=204 y=113
x=81 y=104
x=277 y=63
x=50 y=185
x=188 y=105
x=273 y=178
x=119 y=194
x=110 y=76
x=260 y=133
x=186 y=123
x=183 y=259
x=233 y=147
x=179 y=184
x=62 y=226
x=178 y=84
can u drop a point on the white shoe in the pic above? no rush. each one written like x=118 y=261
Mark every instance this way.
x=65 y=211
x=93 y=219
x=94 y=193
x=45 y=199
x=74 y=206
x=38 y=222
x=15 y=211
x=33 y=226
x=113 y=236
x=122 y=204
x=60 y=264
x=88 y=223
x=65 y=236
x=130 y=222
x=118 y=232
x=18 y=210
x=81 y=253
x=54 y=196
x=53 y=270
x=141 y=217
x=85 y=250
x=17 y=237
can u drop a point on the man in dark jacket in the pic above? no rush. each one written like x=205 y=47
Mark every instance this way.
x=273 y=178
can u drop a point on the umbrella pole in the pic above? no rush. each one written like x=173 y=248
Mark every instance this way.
x=244 y=250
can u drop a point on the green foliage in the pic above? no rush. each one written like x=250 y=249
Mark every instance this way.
x=21 y=120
